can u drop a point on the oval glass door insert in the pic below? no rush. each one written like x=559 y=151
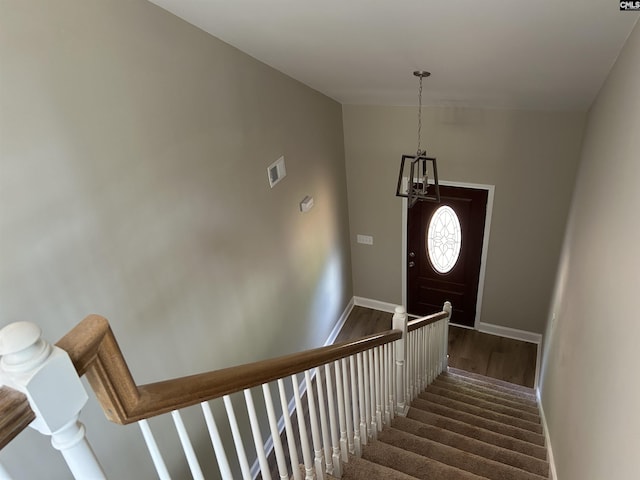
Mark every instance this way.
x=444 y=238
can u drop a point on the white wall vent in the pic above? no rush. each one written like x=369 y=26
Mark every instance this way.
x=276 y=171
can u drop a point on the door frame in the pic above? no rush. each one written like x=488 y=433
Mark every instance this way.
x=485 y=240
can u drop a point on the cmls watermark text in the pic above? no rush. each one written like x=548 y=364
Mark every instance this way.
x=630 y=6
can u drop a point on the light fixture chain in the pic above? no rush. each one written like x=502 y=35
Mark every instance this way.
x=419 y=115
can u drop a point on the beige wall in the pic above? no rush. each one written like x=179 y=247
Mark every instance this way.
x=529 y=156
x=133 y=184
x=590 y=385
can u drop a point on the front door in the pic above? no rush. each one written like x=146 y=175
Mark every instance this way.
x=444 y=246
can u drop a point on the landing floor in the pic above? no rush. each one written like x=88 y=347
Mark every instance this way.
x=503 y=358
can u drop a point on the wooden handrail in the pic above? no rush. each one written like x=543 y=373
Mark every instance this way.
x=424 y=321
x=94 y=351
x=15 y=414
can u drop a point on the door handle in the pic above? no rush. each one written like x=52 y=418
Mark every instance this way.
x=412 y=254
x=412 y=264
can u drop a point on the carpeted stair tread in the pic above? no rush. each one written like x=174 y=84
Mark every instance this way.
x=454 y=457
x=512 y=402
x=362 y=469
x=472 y=445
x=487 y=389
x=487 y=383
x=481 y=412
x=413 y=464
x=478 y=433
x=484 y=404
x=461 y=427
x=479 y=421
x=528 y=394
x=494 y=381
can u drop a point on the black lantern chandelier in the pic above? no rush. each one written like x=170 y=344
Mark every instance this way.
x=418 y=169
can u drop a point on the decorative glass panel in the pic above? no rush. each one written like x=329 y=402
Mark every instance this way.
x=444 y=238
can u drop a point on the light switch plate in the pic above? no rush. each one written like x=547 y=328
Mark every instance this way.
x=365 y=239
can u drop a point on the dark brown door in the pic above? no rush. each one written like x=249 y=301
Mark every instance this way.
x=447 y=267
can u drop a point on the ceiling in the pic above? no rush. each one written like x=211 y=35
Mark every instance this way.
x=536 y=54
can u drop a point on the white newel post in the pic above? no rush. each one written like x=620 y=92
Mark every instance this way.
x=445 y=355
x=45 y=374
x=400 y=323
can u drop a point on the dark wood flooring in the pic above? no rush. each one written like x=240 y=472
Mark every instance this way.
x=498 y=357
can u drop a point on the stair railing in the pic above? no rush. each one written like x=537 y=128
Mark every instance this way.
x=351 y=390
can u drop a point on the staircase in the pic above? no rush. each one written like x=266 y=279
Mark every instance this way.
x=459 y=426
x=463 y=426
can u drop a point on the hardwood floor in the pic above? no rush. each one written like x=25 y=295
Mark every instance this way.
x=502 y=358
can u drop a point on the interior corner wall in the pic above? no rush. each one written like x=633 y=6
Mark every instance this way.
x=133 y=184
x=530 y=157
x=589 y=378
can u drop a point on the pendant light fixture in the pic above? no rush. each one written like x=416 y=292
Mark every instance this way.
x=418 y=169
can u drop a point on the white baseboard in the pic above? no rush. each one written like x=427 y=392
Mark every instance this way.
x=335 y=331
x=340 y=323
x=375 y=304
x=509 y=332
x=547 y=440
x=490 y=328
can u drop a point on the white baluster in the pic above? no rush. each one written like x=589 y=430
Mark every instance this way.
x=185 y=441
x=357 y=447
x=326 y=438
x=422 y=354
x=434 y=349
x=442 y=348
x=237 y=439
x=427 y=353
x=257 y=435
x=385 y=390
x=275 y=433
x=333 y=422
x=367 y=394
x=45 y=374
x=418 y=358
x=223 y=463
x=392 y=379
x=437 y=341
x=416 y=363
x=410 y=365
x=154 y=451
x=362 y=400
x=378 y=387
x=291 y=441
x=302 y=428
x=418 y=354
x=348 y=406
x=437 y=347
x=315 y=430
x=340 y=398
x=400 y=323
x=431 y=352
x=372 y=392
x=424 y=358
